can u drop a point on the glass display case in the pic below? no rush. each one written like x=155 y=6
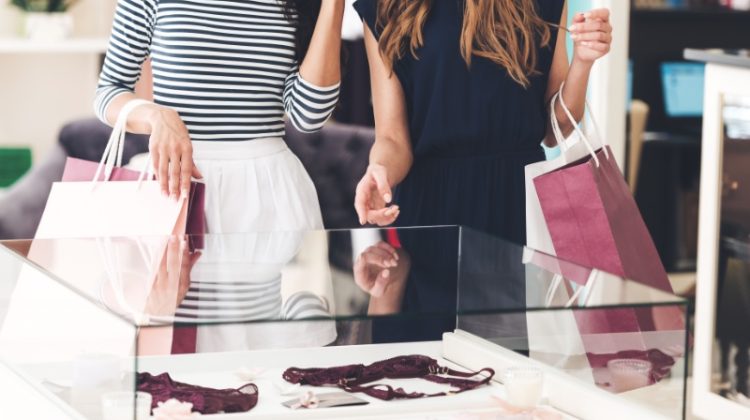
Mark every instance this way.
x=90 y=321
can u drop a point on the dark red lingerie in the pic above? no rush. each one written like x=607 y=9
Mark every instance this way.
x=204 y=400
x=352 y=378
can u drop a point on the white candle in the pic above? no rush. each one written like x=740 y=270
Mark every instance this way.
x=524 y=386
x=629 y=374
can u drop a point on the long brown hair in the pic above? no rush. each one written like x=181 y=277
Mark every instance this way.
x=506 y=32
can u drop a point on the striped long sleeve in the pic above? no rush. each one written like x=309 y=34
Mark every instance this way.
x=308 y=106
x=129 y=46
x=228 y=67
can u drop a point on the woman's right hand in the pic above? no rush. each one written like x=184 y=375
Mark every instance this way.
x=373 y=197
x=171 y=152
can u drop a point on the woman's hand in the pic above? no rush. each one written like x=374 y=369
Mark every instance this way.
x=591 y=33
x=372 y=270
x=374 y=196
x=173 y=278
x=171 y=152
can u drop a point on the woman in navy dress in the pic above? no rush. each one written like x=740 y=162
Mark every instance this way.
x=461 y=91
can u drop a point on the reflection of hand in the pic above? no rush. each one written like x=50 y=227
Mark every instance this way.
x=372 y=270
x=173 y=278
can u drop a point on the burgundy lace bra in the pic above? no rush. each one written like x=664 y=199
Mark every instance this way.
x=353 y=378
x=204 y=400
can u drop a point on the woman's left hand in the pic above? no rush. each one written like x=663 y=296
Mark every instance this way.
x=591 y=33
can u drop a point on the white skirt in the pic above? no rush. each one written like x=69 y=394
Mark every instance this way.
x=256 y=186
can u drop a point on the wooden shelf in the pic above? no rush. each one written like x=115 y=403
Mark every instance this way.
x=67 y=46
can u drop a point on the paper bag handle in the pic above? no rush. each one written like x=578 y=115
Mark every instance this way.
x=557 y=132
x=112 y=156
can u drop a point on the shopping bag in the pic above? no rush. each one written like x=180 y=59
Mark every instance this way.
x=593 y=220
x=572 y=149
x=553 y=334
x=79 y=170
x=592 y=217
x=100 y=208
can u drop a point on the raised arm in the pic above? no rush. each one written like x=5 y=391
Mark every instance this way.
x=311 y=94
x=391 y=155
x=129 y=47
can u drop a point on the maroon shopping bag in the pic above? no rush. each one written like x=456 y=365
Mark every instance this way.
x=79 y=170
x=594 y=221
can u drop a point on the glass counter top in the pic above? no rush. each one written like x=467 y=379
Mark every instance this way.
x=201 y=308
x=292 y=276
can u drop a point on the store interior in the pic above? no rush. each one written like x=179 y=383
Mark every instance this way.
x=673 y=101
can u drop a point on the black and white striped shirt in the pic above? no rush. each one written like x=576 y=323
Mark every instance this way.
x=228 y=67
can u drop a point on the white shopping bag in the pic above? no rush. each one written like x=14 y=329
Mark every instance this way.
x=109 y=209
x=553 y=335
x=571 y=150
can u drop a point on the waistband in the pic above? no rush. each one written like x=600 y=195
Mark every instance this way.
x=229 y=150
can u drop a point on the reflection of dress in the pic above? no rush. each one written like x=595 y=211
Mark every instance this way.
x=238 y=279
x=459 y=271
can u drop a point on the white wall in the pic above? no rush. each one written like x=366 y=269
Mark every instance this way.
x=39 y=92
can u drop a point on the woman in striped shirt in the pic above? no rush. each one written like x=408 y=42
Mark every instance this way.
x=224 y=74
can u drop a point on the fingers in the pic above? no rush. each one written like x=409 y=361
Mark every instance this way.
x=388 y=248
x=196 y=173
x=186 y=171
x=379 y=257
x=381 y=180
x=598 y=46
x=361 y=199
x=194 y=258
x=597 y=36
x=578 y=18
x=174 y=174
x=590 y=26
x=173 y=258
x=162 y=173
x=600 y=14
x=383 y=217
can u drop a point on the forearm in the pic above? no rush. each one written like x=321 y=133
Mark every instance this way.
x=574 y=95
x=322 y=63
x=396 y=157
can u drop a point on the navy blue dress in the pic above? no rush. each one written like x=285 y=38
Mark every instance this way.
x=472 y=129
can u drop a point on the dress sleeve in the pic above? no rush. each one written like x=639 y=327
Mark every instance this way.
x=368 y=11
x=129 y=46
x=551 y=10
x=308 y=106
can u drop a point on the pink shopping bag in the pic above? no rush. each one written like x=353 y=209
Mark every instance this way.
x=79 y=170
